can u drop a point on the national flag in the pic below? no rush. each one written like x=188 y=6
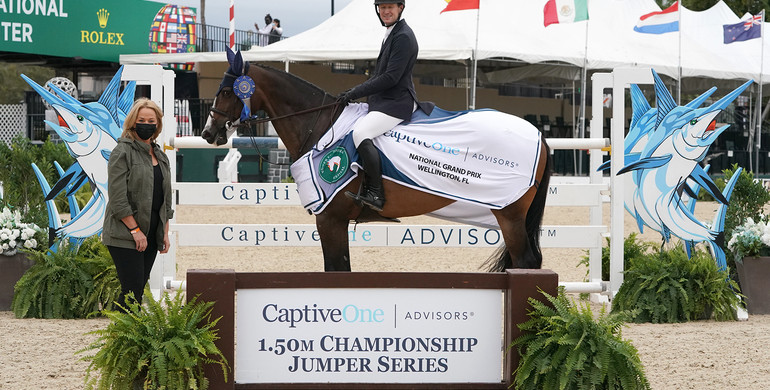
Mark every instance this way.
x=564 y=11
x=459 y=5
x=744 y=30
x=659 y=22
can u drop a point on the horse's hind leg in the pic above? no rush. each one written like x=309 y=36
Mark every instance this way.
x=521 y=221
x=333 y=232
x=518 y=253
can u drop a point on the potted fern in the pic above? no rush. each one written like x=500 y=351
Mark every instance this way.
x=68 y=283
x=564 y=347
x=750 y=247
x=163 y=345
x=667 y=287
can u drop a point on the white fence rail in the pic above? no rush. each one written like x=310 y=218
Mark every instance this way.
x=285 y=194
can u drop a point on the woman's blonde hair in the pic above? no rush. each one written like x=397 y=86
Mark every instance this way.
x=130 y=123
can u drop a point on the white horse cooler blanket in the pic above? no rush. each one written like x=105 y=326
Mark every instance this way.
x=484 y=159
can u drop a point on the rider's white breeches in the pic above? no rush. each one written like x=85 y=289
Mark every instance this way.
x=373 y=124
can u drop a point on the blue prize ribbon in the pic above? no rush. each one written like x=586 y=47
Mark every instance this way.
x=244 y=87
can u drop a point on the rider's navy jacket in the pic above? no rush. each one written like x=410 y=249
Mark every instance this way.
x=390 y=88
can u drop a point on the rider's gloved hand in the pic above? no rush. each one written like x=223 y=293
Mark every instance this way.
x=344 y=98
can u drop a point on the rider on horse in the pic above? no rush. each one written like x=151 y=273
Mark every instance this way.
x=392 y=98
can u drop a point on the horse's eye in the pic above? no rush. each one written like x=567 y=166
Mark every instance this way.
x=80 y=117
x=693 y=122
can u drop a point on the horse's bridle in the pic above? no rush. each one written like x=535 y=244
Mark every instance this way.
x=229 y=125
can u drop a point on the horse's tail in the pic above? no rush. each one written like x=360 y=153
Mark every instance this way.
x=536 y=210
x=501 y=259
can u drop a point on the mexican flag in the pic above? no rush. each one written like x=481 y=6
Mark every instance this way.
x=564 y=11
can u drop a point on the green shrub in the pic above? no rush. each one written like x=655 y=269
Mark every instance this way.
x=633 y=248
x=67 y=284
x=21 y=190
x=98 y=263
x=565 y=348
x=748 y=200
x=668 y=287
x=161 y=346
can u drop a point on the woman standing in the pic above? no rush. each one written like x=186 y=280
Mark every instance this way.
x=275 y=33
x=136 y=221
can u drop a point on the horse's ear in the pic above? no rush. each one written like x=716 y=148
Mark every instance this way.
x=237 y=63
x=230 y=55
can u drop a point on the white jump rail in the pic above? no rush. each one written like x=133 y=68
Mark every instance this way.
x=275 y=142
x=392 y=235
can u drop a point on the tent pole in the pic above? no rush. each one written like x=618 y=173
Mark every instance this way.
x=467 y=86
x=759 y=99
x=472 y=105
x=582 y=134
x=475 y=62
x=679 y=65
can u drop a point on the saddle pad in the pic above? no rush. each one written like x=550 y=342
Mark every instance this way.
x=484 y=158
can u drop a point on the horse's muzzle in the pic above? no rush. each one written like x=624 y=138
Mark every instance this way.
x=214 y=138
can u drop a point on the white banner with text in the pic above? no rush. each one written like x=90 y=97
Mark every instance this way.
x=369 y=335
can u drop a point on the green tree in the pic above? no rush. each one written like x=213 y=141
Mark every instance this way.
x=740 y=7
x=13 y=86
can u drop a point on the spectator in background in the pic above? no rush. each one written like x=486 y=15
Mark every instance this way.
x=264 y=32
x=276 y=32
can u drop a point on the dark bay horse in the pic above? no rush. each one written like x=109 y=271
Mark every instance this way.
x=301 y=113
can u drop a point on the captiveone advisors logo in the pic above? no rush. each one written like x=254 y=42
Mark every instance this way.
x=313 y=314
x=334 y=165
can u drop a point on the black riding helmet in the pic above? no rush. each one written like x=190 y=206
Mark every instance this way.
x=377 y=10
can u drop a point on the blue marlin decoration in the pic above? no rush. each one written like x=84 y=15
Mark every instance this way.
x=662 y=152
x=90 y=132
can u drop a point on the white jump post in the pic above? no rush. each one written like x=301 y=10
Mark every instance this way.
x=619 y=80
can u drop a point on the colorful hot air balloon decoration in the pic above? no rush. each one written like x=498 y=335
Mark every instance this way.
x=173 y=31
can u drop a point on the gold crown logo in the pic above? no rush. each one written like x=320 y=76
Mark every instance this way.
x=102 y=15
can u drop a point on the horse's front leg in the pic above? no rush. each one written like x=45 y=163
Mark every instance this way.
x=334 y=241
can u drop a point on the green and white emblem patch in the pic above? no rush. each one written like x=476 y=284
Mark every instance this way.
x=334 y=165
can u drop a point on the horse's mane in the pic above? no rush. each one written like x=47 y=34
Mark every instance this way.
x=293 y=77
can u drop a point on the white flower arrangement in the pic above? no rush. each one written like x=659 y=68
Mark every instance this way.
x=750 y=239
x=15 y=234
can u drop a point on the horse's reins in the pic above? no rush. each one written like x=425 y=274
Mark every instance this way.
x=256 y=120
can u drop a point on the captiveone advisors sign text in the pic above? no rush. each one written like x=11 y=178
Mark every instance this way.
x=369 y=336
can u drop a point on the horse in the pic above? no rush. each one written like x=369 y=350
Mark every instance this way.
x=302 y=113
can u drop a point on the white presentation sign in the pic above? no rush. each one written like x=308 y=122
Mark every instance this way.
x=369 y=335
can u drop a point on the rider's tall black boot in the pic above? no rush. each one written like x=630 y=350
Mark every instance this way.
x=373 y=194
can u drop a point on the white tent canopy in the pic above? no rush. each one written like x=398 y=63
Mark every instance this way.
x=514 y=30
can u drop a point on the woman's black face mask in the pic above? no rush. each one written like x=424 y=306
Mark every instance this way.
x=145 y=130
